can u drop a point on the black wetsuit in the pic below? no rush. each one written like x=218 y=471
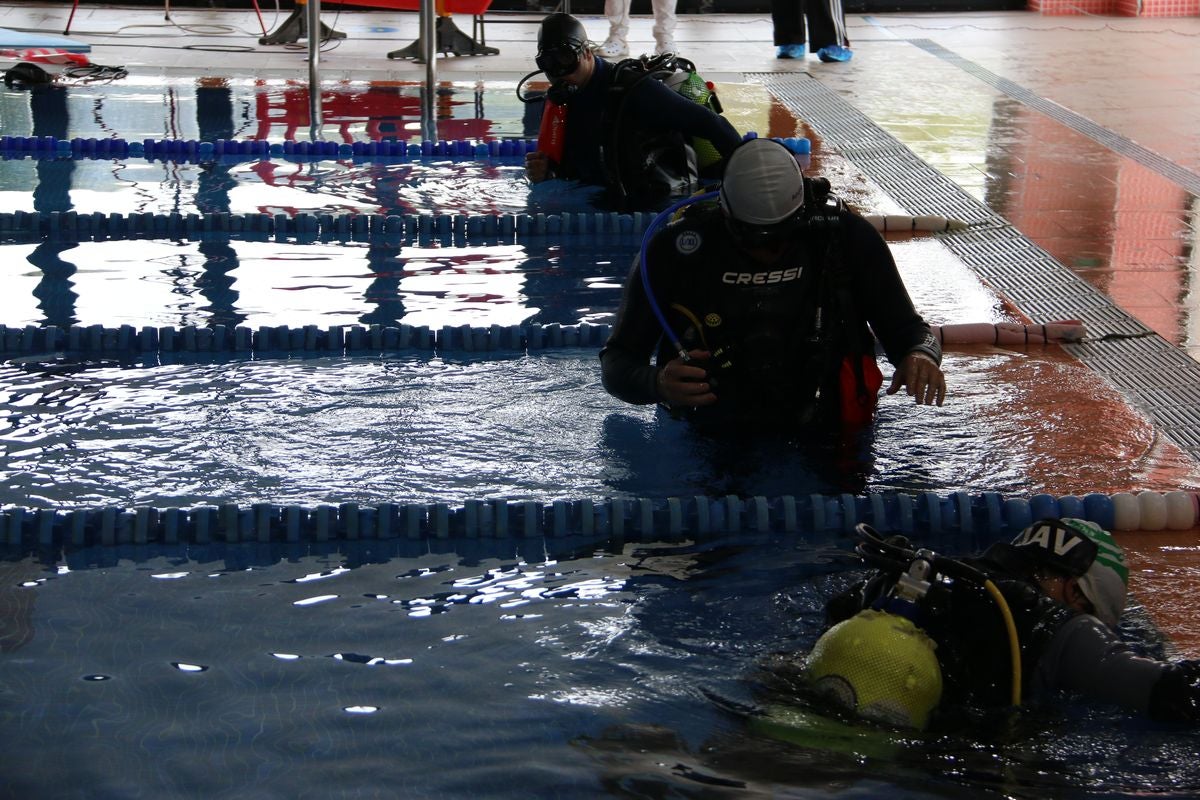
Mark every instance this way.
x=780 y=332
x=1060 y=649
x=650 y=108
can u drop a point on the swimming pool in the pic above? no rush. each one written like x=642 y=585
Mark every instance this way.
x=515 y=663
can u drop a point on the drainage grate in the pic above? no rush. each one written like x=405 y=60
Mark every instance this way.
x=1134 y=359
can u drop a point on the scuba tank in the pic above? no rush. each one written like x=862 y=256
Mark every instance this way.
x=880 y=664
x=643 y=166
x=687 y=82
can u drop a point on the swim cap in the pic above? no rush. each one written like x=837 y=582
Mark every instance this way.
x=880 y=666
x=763 y=183
x=561 y=30
x=1085 y=551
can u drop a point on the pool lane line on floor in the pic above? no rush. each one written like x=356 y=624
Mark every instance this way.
x=1155 y=376
x=1186 y=179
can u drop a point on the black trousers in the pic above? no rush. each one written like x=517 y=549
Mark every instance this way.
x=826 y=22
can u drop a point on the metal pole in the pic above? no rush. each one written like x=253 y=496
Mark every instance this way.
x=314 y=69
x=429 y=53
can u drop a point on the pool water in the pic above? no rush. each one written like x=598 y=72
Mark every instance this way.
x=507 y=668
x=493 y=670
x=252 y=283
x=411 y=428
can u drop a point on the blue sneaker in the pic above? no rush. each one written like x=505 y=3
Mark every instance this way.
x=791 y=51
x=834 y=52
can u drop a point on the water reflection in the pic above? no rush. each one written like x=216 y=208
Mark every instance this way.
x=55 y=291
x=375 y=111
x=214 y=118
x=434 y=283
x=213 y=109
x=1124 y=227
x=654 y=455
x=213 y=282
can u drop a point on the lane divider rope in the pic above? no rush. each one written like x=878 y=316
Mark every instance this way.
x=32 y=340
x=72 y=226
x=242 y=150
x=617 y=519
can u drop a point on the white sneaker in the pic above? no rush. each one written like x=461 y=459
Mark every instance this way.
x=612 y=48
x=666 y=46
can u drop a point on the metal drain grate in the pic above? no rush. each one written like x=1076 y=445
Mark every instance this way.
x=1154 y=375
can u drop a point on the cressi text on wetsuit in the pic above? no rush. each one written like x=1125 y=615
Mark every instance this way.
x=780 y=331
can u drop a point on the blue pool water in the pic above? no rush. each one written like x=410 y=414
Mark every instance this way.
x=488 y=670
x=555 y=667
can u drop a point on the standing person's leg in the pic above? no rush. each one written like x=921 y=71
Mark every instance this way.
x=787 y=17
x=616 y=45
x=827 y=24
x=664 y=26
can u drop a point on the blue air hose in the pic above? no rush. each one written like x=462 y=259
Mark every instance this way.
x=651 y=229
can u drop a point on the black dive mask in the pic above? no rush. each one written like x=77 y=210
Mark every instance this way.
x=767 y=237
x=559 y=61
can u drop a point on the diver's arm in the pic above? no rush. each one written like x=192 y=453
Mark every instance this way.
x=906 y=338
x=659 y=106
x=887 y=306
x=538 y=167
x=1085 y=656
x=625 y=368
x=921 y=377
x=1176 y=695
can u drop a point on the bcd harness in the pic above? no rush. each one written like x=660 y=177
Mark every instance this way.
x=645 y=165
x=641 y=166
x=751 y=328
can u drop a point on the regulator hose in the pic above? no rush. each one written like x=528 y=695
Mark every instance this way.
x=651 y=229
x=879 y=552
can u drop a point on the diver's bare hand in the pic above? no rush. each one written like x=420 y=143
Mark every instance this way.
x=922 y=377
x=685 y=383
x=537 y=166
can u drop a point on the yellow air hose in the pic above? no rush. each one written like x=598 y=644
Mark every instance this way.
x=1014 y=645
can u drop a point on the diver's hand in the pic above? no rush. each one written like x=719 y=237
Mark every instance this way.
x=923 y=378
x=685 y=383
x=537 y=166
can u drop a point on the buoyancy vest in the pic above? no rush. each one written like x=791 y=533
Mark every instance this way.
x=789 y=343
x=646 y=166
x=967 y=625
x=552 y=133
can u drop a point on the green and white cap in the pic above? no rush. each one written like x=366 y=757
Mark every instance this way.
x=1087 y=552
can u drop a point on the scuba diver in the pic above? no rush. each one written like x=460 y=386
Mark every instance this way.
x=762 y=311
x=926 y=633
x=645 y=129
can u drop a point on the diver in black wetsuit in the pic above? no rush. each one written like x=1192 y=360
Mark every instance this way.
x=653 y=126
x=777 y=298
x=1063 y=582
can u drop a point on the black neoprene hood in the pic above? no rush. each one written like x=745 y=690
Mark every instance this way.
x=559 y=30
